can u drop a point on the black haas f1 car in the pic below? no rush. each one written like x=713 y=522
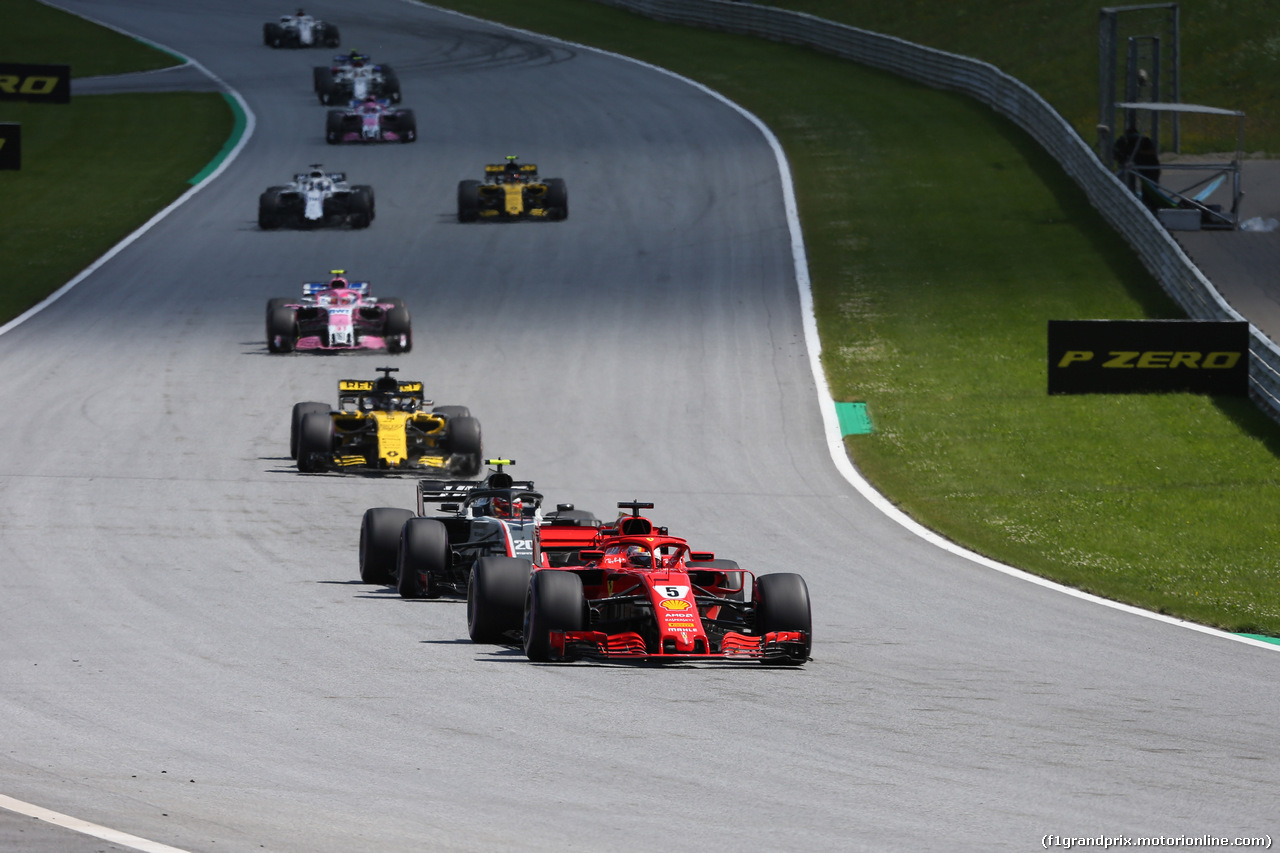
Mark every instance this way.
x=353 y=78
x=383 y=424
x=370 y=120
x=314 y=199
x=300 y=30
x=493 y=521
x=512 y=190
x=640 y=594
x=338 y=315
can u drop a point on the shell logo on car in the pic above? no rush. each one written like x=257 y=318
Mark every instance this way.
x=674 y=604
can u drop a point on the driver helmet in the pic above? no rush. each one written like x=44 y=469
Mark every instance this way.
x=339 y=283
x=370 y=103
x=504 y=508
x=315 y=173
x=638 y=556
x=301 y=13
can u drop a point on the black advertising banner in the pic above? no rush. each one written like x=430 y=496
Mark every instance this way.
x=48 y=83
x=1142 y=356
x=10 y=145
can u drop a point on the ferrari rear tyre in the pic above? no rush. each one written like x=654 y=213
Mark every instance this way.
x=397 y=331
x=423 y=557
x=495 y=597
x=282 y=330
x=732 y=572
x=782 y=604
x=468 y=201
x=554 y=602
x=557 y=200
x=315 y=442
x=301 y=410
x=380 y=542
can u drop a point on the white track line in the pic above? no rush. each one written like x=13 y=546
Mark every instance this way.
x=830 y=421
x=114 y=836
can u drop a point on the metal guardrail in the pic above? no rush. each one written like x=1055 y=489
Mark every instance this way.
x=1157 y=250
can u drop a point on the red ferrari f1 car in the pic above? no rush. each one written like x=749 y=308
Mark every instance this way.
x=634 y=592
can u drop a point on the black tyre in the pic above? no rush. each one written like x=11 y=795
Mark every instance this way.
x=733 y=575
x=333 y=127
x=315 y=442
x=554 y=602
x=319 y=75
x=423 y=557
x=464 y=442
x=361 y=208
x=295 y=426
x=495 y=597
x=468 y=201
x=268 y=211
x=380 y=542
x=557 y=199
x=269 y=34
x=452 y=411
x=390 y=85
x=328 y=91
x=782 y=604
x=397 y=331
x=366 y=190
x=331 y=36
x=282 y=330
x=408 y=128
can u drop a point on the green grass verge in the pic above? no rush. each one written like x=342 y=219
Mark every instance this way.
x=941 y=240
x=97 y=168
x=1230 y=52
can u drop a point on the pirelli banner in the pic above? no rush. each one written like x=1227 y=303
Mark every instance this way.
x=1141 y=356
x=47 y=83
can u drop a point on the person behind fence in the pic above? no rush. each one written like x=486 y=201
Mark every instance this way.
x=1123 y=151
x=1146 y=163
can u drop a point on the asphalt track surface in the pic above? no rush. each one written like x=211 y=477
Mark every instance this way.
x=187 y=656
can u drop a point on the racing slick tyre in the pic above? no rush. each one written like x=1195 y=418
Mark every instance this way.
x=380 y=542
x=782 y=604
x=328 y=91
x=468 y=201
x=330 y=36
x=423 y=556
x=396 y=330
x=463 y=441
x=408 y=126
x=452 y=411
x=390 y=85
x=315 y=442
x=269 y=216
x=300 y=410
x=282 y=330
x=361 y=208
x=554 y=602
x=557 y=200
x=271 y=35
x=495 y=597
x=319 y=75
x=732 y=572
x=333 y=127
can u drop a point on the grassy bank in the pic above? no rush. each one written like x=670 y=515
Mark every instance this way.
x=933 y=283
x=97 y=168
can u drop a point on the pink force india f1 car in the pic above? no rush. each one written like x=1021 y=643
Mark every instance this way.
x=338 y=315
x=370 y=120
x=636 y=593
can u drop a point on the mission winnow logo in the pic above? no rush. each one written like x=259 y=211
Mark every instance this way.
x=1145 y=356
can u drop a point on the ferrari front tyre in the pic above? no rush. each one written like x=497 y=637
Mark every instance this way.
x=423 y=557
x=315 y=442
x=554 y=602
x=468 y=201
x=380 y=542
x=782 y=604
x=557 y=199
x=397 y=332
x=282 y=330
x=300 y=410
x=495 y=597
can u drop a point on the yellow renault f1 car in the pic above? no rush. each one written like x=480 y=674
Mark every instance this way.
x=512 y=190
x=384 y=424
